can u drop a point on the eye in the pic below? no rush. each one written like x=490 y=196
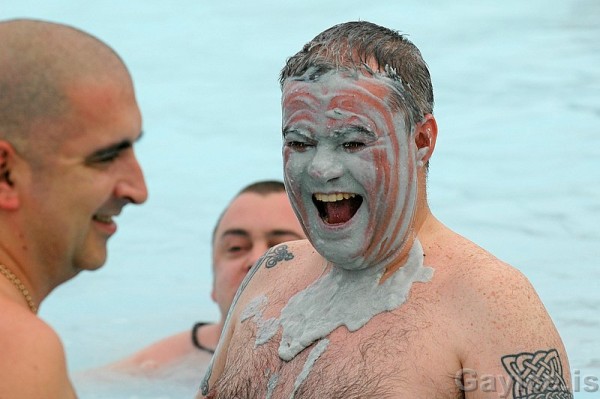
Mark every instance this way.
x=104 y=159
x=298 y=146
x=234 y=251
x=233 y=244
x=108 y=155
x=353 y=146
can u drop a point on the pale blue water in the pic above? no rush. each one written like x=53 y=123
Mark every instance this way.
x=516 y=168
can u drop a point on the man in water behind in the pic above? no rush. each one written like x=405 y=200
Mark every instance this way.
x=257 y=218
x=383 y=300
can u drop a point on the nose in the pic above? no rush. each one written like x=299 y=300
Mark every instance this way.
x=132 y=186
x=324 y=166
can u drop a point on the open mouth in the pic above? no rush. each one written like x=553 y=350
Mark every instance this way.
x=337 y=208
x=103 y=218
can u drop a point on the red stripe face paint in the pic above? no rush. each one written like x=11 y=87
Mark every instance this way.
x=350 y=167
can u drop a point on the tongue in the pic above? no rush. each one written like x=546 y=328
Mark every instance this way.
x=339 y=211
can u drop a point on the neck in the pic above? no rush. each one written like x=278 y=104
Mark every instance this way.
x=18 y=284
x=422 y=212
x=423 y=220
x=400 y=261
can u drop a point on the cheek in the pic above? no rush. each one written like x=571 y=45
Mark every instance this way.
x=229 y=276
x=370 y=169
x=385 y=181
x=290 y=171
x=286 y=153
x=293 y=172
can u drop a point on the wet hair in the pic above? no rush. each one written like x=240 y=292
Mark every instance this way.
x=38 y=62
x=264 y=188
x=358 y=47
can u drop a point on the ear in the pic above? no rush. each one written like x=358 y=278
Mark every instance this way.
x=425 y=138
x=9 y=198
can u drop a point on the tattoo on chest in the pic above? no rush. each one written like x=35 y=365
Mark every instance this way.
x=537 y=375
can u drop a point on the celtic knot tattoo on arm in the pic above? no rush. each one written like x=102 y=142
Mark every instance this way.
x=275 y=255
x=537 y=375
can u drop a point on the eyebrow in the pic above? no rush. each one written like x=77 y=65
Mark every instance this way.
x=287 y=131
x=114 y=148
x=278 y=233
x=355 y=129
x=339 y=132
x=235 y=232
x=275 y=233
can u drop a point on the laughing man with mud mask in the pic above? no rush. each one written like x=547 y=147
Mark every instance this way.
x=383 y=300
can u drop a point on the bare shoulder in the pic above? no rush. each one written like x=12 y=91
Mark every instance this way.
x=502 y=329
x=31 y=351
x=487 y=286
x=278 y=274
x=275 y=269
x=469 y=273
x=286 y=254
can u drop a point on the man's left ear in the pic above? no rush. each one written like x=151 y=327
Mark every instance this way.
x=425 y=138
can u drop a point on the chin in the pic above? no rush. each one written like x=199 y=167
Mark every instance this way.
x=349 y=263
x=91 y=263
x=345 y=260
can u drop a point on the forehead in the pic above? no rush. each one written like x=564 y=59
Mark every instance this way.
x=337 y=91
x=259 y=214
x=101 y=113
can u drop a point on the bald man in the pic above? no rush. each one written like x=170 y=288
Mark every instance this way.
x=68 y=122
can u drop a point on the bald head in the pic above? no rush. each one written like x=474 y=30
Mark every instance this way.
x=39 y=63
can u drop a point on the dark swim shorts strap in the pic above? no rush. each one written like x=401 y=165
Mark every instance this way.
x=195 y=341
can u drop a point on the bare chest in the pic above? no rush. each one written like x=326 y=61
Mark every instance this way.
x=390 y=357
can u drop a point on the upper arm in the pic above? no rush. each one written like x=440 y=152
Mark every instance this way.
x=511 y=345
x=33 y=363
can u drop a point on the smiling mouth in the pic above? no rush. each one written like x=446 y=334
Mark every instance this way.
x=337 y=208
x=103 y=219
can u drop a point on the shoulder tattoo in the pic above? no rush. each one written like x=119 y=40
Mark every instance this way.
x=537 y=375
x=275 y=255
x=270 y=259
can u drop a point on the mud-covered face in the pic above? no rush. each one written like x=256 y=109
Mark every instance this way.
x=350 y=168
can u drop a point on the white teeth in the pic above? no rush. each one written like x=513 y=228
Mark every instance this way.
x=333 y=197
